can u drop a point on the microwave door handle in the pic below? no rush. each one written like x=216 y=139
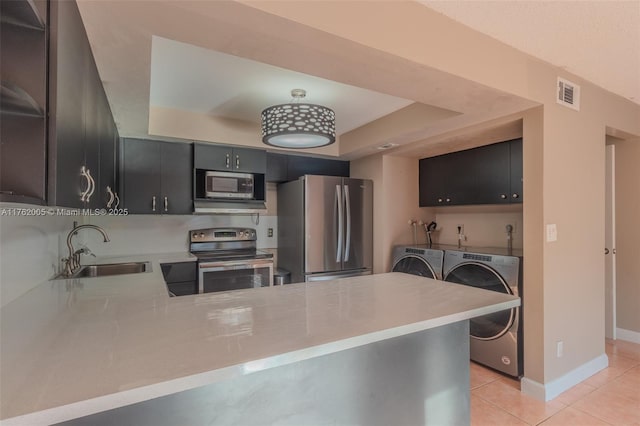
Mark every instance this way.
x=347 y=204
x=340 y=223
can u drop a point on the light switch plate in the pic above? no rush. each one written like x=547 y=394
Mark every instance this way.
x=552 y=232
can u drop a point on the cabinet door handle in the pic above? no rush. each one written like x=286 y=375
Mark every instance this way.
x=228 y=161
x=83 y=173
x=237 y=161
x=112 y=197
x=93 y=185
x=153 y=203
x=347 y=209
x=166 y=204
x=439 y=200
x=503 y=196
x=448 y=200
x=514 y=195
x=606 y=250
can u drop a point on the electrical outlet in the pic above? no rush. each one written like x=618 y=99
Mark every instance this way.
x=552 y=232
x=559 y=349
x=270 y=232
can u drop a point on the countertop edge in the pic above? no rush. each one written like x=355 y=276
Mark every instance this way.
x=156 y=390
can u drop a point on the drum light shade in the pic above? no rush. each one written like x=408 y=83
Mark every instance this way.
x=297 y=125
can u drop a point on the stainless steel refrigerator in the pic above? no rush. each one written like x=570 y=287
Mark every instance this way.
x=325 y=227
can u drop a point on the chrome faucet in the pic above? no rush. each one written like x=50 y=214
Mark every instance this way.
x=72 y=262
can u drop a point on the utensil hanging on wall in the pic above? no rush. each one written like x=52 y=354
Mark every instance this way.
x=428 y=229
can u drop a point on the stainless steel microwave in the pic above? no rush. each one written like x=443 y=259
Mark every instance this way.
x=229 y=185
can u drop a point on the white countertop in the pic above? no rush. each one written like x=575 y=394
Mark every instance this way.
x=70 y=348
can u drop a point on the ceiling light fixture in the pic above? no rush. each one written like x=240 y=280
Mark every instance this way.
x=297 y=125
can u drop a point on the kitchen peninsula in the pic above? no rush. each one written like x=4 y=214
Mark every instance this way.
x=381 y=349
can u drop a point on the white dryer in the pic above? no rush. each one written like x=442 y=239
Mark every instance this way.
x=424 y=262
x=496 y=339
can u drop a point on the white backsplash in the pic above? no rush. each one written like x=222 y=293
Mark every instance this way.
x=30 y=250
x=136 y=234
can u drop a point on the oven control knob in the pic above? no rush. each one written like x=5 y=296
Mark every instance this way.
x=241 y=233
x=195 y=235
x=202 y=235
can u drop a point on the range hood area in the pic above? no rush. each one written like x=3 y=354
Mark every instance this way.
x=223 y=207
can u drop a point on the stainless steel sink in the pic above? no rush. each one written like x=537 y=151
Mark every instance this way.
x=109 y=269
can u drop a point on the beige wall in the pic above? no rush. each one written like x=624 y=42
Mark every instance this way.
x=371 y=168
x=627 y=234
x=563 y=167
x=484 y=226
x=401 y=203
x=533 y=242
x=395 y=200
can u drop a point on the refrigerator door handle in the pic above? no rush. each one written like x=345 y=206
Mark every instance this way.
x=340 y=223
x=347 y=204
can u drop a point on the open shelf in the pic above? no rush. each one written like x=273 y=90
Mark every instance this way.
x=23 y=13
x=10 y=197
x=15 y=101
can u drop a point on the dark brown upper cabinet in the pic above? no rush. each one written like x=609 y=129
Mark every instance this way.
x=489 y=174
x=229 y=158
x=156 y=177
x=284 y=167
x=82 y=132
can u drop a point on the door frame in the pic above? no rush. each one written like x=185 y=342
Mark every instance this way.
x=610 y=243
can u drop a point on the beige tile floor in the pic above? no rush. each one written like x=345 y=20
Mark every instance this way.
x=610 y=397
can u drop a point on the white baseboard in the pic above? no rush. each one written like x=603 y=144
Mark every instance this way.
x=548 y=391
x=628 y=335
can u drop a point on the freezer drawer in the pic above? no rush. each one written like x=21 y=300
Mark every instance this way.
x=335 y=276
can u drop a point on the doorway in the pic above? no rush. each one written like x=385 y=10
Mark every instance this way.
x=610 y=243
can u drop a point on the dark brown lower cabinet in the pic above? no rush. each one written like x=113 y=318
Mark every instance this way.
x=181 y=278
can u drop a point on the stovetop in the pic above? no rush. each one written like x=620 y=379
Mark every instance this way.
x=225 y=244
x=230 y=255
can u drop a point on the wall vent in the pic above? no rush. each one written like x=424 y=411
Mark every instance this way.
x=568 y=94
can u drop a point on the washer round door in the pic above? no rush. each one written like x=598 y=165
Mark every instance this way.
x=486 y=327
x=414 y=265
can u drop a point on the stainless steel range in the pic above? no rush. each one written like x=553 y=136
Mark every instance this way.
x=229 y=260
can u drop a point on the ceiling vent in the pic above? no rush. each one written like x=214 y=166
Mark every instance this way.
x=387 y=146
x=568 y=94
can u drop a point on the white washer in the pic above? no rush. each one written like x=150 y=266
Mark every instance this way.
x=414 y=260
x=496 y=339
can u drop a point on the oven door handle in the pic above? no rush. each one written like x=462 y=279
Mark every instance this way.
x=222 y=266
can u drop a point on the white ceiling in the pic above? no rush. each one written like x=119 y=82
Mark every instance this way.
x=195 y=79
x=597 y=40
